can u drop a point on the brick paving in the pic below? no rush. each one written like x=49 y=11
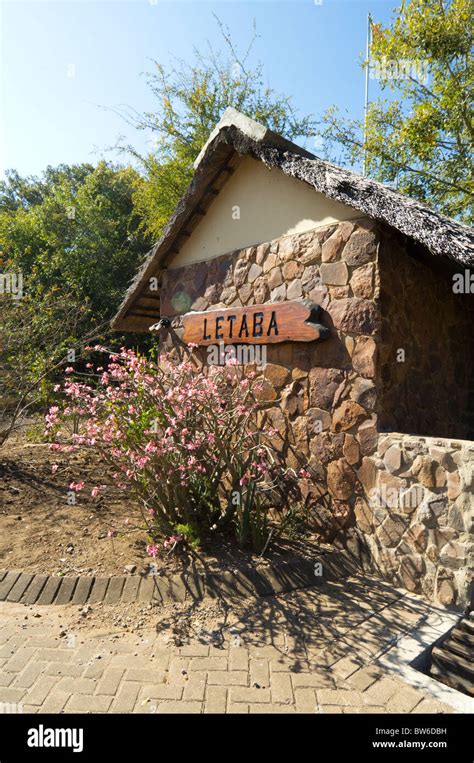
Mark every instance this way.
x=314 y=650
x=28 y=588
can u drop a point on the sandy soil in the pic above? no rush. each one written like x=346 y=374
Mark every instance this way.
x=40 y=532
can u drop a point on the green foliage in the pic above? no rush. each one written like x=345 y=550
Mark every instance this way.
x=189 y=101
x=421 y=137
x=189 y=534
x=252 y=520
x=35 y=336
x=74 y=231
x=74 y=238
x=294 y=523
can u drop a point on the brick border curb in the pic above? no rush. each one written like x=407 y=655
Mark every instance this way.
x=29 y=588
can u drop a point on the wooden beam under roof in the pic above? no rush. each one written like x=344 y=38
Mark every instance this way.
x=217 y=173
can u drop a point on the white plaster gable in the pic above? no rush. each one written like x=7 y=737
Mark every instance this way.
x=270 y=205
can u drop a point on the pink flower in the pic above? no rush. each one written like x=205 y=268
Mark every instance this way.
x=77 y=486
x=52 y=415
x=54 y=468
x=152 y=550
x=69 y=370
x=172 y=540
x=194 y=436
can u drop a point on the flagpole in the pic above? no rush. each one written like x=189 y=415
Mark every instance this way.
x=366 y=100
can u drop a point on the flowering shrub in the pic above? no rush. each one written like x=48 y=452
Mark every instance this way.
x=183 y=442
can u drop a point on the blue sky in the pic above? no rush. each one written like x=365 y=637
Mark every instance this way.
x=66 y=64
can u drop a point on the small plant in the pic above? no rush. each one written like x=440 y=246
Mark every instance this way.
x=181 y=441
x=189 y=534
x=252 y=521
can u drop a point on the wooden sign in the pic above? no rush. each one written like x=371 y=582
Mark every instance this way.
x=256 y=324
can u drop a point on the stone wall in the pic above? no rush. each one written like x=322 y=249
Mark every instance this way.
x=418 y=515
x=329 y=400
x=425 y=374
x=323 y=393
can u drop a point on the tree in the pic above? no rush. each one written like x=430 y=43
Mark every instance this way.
x=72 y=239
x=36 y=340
x=420 y=139
x=74 y=230
x=190 y=100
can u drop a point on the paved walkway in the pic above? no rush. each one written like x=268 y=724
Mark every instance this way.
x=313 y=650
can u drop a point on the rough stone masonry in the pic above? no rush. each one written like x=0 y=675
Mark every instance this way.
x=354 y=408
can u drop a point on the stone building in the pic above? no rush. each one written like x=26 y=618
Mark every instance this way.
x=381 y=409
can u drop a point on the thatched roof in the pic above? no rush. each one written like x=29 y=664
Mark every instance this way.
x=237 y=135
